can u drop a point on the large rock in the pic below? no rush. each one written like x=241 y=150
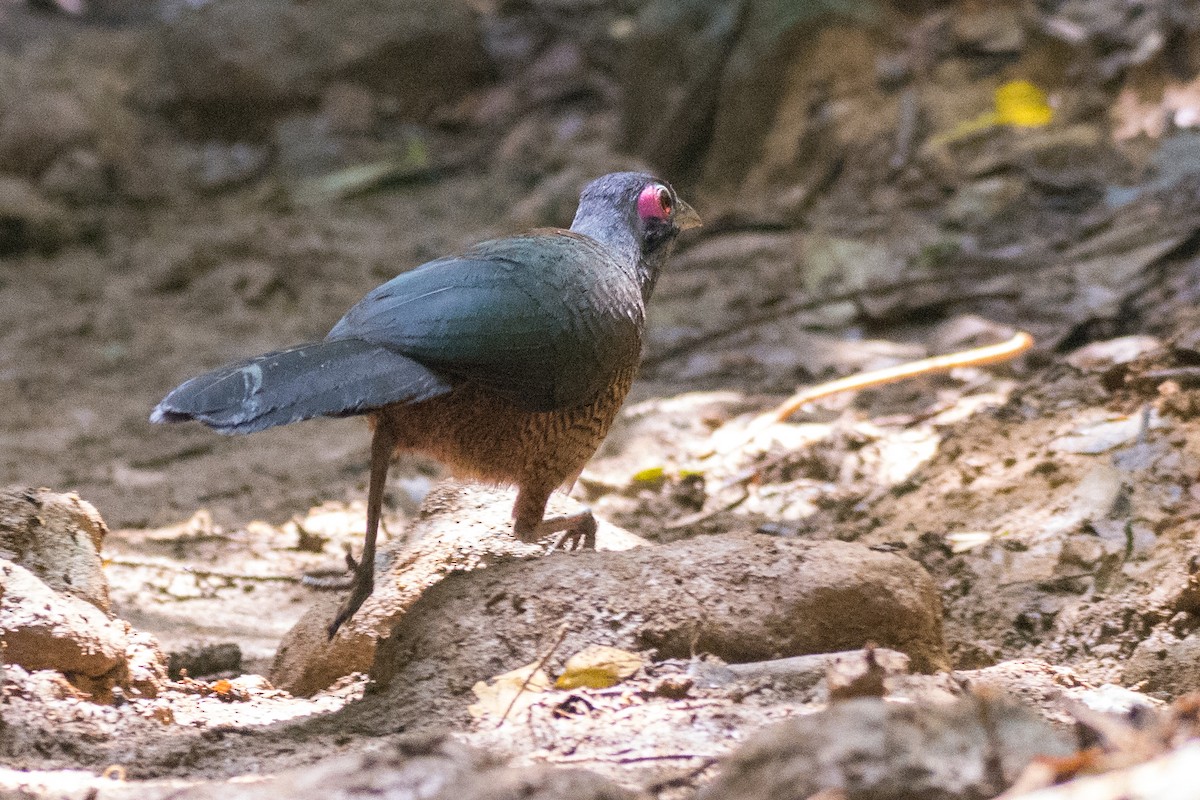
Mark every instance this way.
x=460 y=527
x=248 y=58
x=435 y=768
x=869 y=748
x=739 y=597
x=58 y=538
x=54 y=604
x=43 y=629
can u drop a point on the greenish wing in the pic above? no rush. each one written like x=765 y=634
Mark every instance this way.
x=513 y=316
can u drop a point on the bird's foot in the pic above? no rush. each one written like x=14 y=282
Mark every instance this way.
x=360 y=589
x=579 y=536
x=575 y=531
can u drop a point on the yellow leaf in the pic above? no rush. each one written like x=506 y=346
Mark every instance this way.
x=650 y=475
x=598 y=667
x=1023 y=105
x=518 y=689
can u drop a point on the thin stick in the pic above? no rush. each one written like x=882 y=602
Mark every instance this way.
x=562 y=634
x=979 y=356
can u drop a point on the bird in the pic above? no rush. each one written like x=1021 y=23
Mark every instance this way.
x=507 y=362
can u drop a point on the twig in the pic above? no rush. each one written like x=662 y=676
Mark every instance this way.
x=633 y=759
x=979 y=356
x=203 y=573
x=976 y=357
x=562 y=634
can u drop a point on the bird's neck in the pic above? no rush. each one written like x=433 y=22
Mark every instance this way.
x=625 y=248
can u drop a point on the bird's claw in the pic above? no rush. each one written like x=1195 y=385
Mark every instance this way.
x=360 y=590
x=580 y=536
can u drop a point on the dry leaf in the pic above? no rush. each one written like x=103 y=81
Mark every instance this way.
x=598 y=667
x=1023 y=105
x=509 y=689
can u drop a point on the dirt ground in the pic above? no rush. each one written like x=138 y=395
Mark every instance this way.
x=1053 y=500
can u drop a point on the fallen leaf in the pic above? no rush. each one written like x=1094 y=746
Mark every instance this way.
x=1022 y=105
x=598 y=667
x=650 y=475
x=511 y=692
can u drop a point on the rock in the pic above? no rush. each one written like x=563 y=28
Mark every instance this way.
x=42 y=629
x=1057 y=692
x=1170 y=776
x=738 y=597
x=145 y=665
x=434 y=768
x=57 y=537
x=460 y=527
x=1099 y=356
x=1164 y=665
x=971 y=748
x=248 y=59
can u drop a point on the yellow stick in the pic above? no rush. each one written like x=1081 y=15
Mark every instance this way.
x=979 y=356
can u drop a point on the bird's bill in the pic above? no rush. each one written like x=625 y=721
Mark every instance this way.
x=686 y=216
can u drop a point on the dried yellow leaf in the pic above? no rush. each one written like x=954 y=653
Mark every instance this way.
x=1022 y=104
x=650 y=475
x=598 y=667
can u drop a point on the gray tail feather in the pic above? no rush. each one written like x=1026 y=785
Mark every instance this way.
x=325 y=379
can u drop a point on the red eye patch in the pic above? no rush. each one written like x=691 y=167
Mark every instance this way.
x=654 y=202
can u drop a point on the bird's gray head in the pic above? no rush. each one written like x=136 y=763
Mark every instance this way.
x=633 y=211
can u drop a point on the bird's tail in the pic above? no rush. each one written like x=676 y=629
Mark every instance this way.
x=324 y=379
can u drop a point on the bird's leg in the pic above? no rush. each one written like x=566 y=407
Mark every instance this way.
x=382 y=444
x=578 y=530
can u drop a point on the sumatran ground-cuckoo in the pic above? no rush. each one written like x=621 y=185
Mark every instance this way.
x=507 y=363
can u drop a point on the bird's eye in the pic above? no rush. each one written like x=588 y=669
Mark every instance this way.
x=664 y=200
x=655 y=201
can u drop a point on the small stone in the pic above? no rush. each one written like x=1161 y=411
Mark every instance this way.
x=1099 y=356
